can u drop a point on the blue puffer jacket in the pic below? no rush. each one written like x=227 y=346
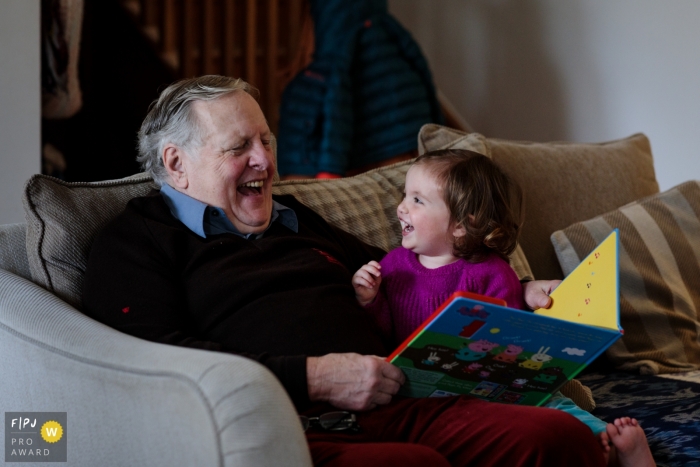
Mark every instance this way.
x=362 y=99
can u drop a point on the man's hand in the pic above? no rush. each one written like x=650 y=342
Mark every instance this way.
x=352 y=381
x=536 y=293
x=366 y=282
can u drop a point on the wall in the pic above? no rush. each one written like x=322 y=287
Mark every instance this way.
x=583 y=70
x=20 y=112
x=580 y=70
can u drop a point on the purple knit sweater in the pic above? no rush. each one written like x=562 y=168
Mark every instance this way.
x=410 y=292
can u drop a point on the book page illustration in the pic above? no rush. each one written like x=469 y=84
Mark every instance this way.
x=495 y=353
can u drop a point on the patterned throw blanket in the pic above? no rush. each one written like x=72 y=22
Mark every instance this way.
x=667 y=407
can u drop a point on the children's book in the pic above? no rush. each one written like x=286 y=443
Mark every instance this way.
x=476 y=345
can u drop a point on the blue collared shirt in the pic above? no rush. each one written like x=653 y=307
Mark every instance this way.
x=205 y=220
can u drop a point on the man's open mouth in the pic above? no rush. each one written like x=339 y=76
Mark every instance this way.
x=251 y=188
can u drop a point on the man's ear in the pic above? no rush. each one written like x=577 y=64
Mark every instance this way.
x=173 y=160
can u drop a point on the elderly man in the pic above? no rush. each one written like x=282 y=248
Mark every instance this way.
x=214 y=261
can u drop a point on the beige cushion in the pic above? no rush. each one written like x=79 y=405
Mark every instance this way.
x=433 y=137
x=562 y=183
x=62 y=220
x=659 y=277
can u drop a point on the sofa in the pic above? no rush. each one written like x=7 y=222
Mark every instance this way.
x=133 y=402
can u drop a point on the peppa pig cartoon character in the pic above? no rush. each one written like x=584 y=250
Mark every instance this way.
x=472 y=367
x=509 y=355
x=475 y=350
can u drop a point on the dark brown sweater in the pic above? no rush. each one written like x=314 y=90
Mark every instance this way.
x=277 y=299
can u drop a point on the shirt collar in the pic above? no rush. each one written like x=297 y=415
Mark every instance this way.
x=205 y=220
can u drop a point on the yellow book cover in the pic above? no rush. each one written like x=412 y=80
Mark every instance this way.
x=590 y=294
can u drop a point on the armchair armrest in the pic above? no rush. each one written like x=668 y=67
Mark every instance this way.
x=133 y=402
x=13 y=249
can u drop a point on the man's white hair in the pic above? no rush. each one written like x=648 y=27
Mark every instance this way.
x=170 y=119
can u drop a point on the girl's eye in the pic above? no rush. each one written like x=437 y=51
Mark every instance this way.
x=416 y=200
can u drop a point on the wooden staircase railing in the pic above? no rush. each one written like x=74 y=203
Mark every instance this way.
x=265 y=42
x=257 y=40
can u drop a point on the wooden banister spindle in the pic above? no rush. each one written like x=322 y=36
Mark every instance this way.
x=169 y=49
x=209 y=45
x=251 y=46
x=294 y=21
x=272 y=58
x=150 y=12
x=251 y=39
x=229 y=38
x=188 y=39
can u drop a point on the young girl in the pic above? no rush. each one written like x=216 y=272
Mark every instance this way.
x=460 y=219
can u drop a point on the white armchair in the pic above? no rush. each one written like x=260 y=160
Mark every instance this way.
x=129 y=401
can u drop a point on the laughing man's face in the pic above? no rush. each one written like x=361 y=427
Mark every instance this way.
x=233 y=170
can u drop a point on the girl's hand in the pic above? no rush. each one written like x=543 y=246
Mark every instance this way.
x=366 y=282
x=536 y=293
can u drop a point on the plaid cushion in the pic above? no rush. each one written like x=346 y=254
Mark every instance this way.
x=364 y=205
x=659 y=277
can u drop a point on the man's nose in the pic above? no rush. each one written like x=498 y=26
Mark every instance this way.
x=259 y=159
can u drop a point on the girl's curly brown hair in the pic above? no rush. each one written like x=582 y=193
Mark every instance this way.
x=481 y=198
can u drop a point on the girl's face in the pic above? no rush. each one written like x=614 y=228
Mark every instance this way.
x=425 y=219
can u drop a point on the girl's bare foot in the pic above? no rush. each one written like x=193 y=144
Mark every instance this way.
x=630 y=442
x=605 y=444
